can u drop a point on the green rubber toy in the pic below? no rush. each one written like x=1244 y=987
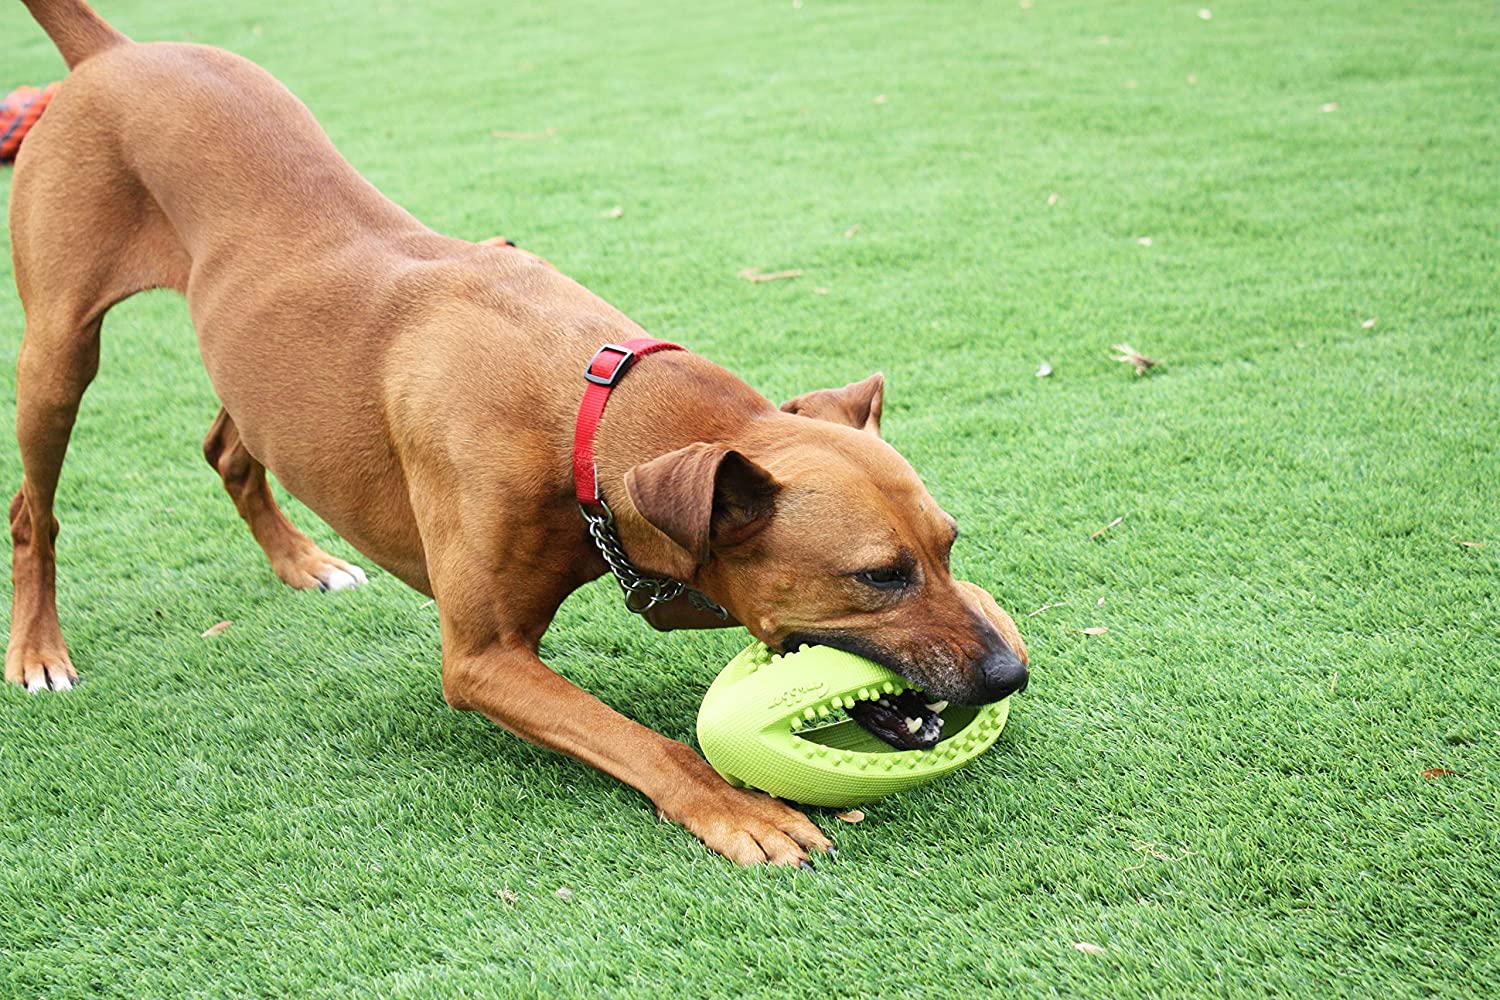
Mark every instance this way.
x=777 y=723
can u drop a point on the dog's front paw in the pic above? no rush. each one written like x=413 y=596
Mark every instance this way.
x=751 y=828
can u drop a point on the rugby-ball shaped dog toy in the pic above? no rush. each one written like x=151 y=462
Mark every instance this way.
x=782 y=724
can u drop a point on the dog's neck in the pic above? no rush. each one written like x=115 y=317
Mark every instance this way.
x=668 y=401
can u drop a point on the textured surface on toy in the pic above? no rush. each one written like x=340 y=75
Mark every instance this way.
x=777 y=723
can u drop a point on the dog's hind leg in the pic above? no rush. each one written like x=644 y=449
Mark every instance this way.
x=58 y=360
x=294 y=558
x=84 y=235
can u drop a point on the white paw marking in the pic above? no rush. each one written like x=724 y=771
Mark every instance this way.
x=62 y=684
x=38 y=683
x=337 y=579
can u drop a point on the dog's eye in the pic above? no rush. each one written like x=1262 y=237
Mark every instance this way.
x=889 y=578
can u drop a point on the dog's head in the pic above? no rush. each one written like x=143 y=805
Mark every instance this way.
x=814 y=530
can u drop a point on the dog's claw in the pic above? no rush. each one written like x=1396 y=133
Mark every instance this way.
x=806 y=865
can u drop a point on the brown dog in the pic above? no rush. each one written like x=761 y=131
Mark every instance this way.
x=420 y=394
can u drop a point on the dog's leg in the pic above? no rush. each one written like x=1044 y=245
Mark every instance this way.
x=497 y=590
x=515 y=689
x=294 y=558
x=84 y=236
x=58 y=360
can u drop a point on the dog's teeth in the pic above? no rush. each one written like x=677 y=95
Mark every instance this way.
x=937 y=706
x=912 y=725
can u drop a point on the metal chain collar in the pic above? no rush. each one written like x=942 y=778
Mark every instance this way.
x=642 y=592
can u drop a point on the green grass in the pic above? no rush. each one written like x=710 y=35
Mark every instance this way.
x=1224 y=793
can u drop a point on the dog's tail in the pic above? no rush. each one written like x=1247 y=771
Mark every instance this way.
x=74 y=28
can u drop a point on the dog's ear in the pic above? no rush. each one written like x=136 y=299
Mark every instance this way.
x=856 y=404
x=703 y=497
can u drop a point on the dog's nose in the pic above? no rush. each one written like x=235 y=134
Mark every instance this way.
x=1003 y=674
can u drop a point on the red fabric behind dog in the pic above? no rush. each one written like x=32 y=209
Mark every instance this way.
x=19 y=111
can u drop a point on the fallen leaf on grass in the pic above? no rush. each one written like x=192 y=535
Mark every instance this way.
x=1370 y=322
x=880 y=98
x=852 y=816
x=503 y=134
x=756 y=274
x=1330 y=106
x=1144 y=241
x=1102 y=530
x=1088 y=949
x=214 y=630
x=1046 y=607
x=1150 y=851
x=1043 y=370
x=1052 y=198
x=1094 y=630
x=1441 y=772
x=820 y=290
x=508 y=897
x=1471 y=545
x=849 y=233
x=1192 y=79
x=613 y=213
x=564 y=893
x=1130 y=355
x=1204 y=14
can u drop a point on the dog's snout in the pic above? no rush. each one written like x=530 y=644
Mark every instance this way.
x=1002 y=673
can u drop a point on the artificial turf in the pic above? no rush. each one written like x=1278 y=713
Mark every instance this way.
x=1222 y=795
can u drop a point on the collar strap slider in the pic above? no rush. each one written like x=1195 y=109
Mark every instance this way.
x=609 y=365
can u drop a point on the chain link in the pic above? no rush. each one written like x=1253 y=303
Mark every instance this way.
x=638 y=587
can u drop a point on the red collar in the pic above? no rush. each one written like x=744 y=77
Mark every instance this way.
x=604 y=371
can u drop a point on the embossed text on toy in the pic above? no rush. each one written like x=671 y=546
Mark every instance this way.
x=791 y=696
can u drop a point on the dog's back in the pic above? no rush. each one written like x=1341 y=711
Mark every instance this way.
x=112 y=148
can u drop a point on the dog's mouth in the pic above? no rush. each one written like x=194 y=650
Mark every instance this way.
x=907 y=720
